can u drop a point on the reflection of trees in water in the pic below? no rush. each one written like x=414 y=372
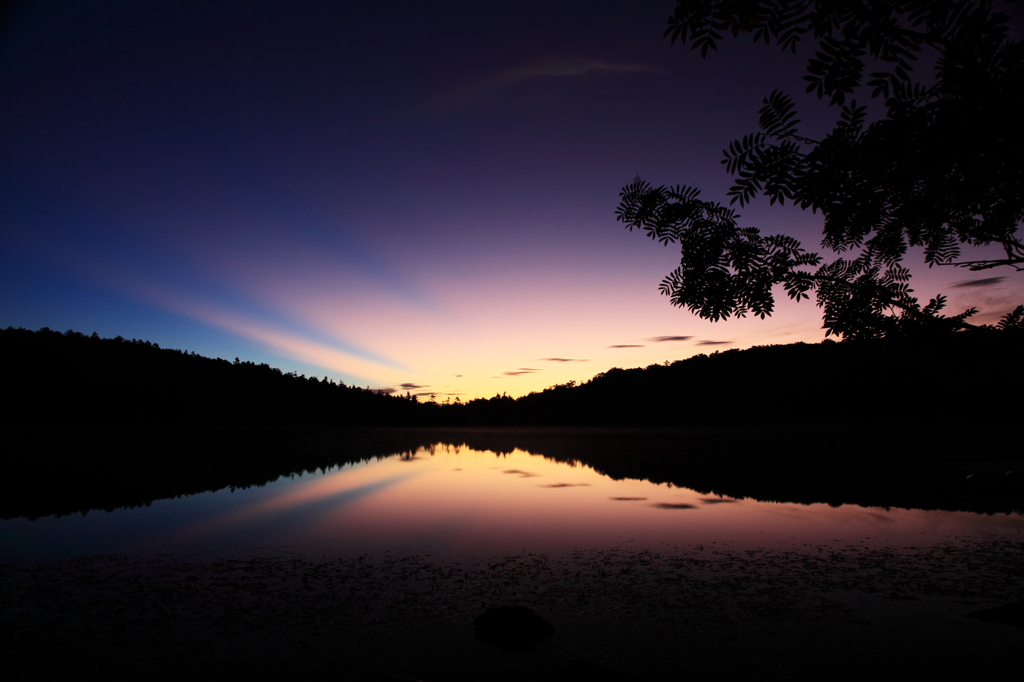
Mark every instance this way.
x=876 y=466
x=883 y=466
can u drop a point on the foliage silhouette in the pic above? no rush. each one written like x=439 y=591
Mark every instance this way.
x=941 y=169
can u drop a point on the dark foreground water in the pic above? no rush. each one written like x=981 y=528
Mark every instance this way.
x=380 y=567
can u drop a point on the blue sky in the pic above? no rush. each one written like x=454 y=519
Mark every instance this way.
x=385 y=193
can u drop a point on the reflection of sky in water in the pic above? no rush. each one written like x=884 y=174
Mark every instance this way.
x=459 y=503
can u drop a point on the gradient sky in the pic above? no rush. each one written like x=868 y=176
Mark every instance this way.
x=417 y=196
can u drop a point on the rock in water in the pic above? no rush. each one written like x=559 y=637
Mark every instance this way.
x=511 y=628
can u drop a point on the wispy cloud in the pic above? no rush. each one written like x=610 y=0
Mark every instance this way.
x=456 y=98
x=992 y=302
x=411 y=386
x=352 y=360
x=563 y=359
x=560 y=68
x=627 y=345
x=522 y=370
x=986 y=282
x=334 y=354
x=663 y=339
x=707 y=342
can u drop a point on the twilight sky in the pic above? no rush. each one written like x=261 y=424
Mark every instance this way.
x=417 y=196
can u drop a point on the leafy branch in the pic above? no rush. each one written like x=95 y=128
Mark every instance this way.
x=941 y=170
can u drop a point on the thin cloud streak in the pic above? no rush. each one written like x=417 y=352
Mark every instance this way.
x=354 y=361
x=970 y=283
x=559 y=68
x=284 y=342
x=458 y=98
x=663 y=339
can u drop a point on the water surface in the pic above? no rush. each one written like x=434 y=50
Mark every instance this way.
x=458 y=503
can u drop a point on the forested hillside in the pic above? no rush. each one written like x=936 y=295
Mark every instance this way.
x=62 y=380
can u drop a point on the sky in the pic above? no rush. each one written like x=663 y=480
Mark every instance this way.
x=409 y=196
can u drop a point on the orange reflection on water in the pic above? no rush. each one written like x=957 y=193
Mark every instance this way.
x=461 y=502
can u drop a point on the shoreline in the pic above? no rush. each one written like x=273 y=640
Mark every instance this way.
x=643 y=613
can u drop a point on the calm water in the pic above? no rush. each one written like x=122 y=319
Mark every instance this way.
x=457 y=503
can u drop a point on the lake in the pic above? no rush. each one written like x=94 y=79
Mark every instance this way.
x=454 y=502
x=380 y=567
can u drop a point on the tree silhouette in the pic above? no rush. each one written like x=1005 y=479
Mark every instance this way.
x=941 y=169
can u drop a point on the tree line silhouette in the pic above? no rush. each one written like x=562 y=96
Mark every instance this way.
x=70 y=380
x=905 y=381
x=88 y=379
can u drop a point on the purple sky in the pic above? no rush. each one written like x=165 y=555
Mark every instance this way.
x=404 y=193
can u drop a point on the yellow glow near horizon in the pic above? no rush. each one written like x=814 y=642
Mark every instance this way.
x=467 y=337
